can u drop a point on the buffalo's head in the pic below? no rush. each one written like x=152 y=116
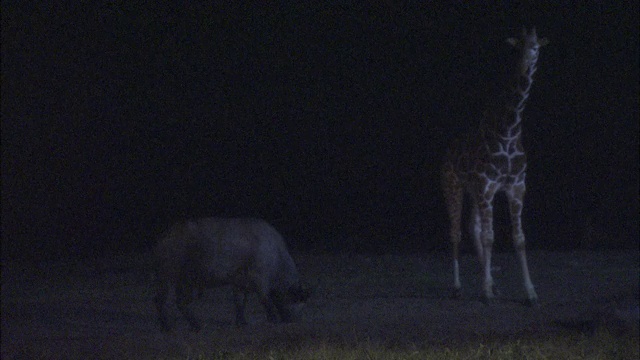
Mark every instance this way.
x=291 y=302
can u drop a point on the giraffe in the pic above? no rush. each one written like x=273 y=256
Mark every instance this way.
x=490 y=160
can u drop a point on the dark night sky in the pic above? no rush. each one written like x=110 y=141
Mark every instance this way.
x=330 y=121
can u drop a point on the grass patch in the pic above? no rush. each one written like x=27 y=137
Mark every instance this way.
x=602 y=345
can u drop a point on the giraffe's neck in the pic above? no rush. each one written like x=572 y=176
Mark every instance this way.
x=505 y=127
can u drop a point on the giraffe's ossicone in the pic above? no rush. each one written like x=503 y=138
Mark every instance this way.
x=492 y=159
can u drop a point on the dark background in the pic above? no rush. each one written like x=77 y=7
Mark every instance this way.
x=328 y=120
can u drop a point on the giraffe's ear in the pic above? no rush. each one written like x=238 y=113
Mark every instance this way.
x=543 y=41
x=513 y=41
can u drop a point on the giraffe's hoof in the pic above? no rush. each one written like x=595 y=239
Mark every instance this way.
x=456 y=294
x=532 y=303
x=489 y=300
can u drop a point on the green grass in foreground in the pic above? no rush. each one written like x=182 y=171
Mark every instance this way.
x=603 y=345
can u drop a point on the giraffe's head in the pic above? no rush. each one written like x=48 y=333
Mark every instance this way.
x=529 y=46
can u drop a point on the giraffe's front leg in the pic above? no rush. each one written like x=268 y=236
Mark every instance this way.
x=515 y=197
x=485 y=207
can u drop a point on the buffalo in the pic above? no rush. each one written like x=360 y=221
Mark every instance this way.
x=247 y=254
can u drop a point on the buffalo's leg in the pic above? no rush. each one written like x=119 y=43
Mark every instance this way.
x=269 y=307
x=184 y=297
x=160 y=299
x=240 y=301
x=280 y=301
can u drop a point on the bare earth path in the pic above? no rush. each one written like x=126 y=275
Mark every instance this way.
x=105 y=311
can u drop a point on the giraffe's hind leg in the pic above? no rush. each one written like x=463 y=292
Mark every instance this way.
x=453 y=194
x=485 y=210
x=475 y=228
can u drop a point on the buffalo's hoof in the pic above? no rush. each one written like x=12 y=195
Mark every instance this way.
x=166 y=329
x=166 y=326
x=195 y=327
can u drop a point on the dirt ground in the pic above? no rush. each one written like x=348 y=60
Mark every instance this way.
x=105 y=310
